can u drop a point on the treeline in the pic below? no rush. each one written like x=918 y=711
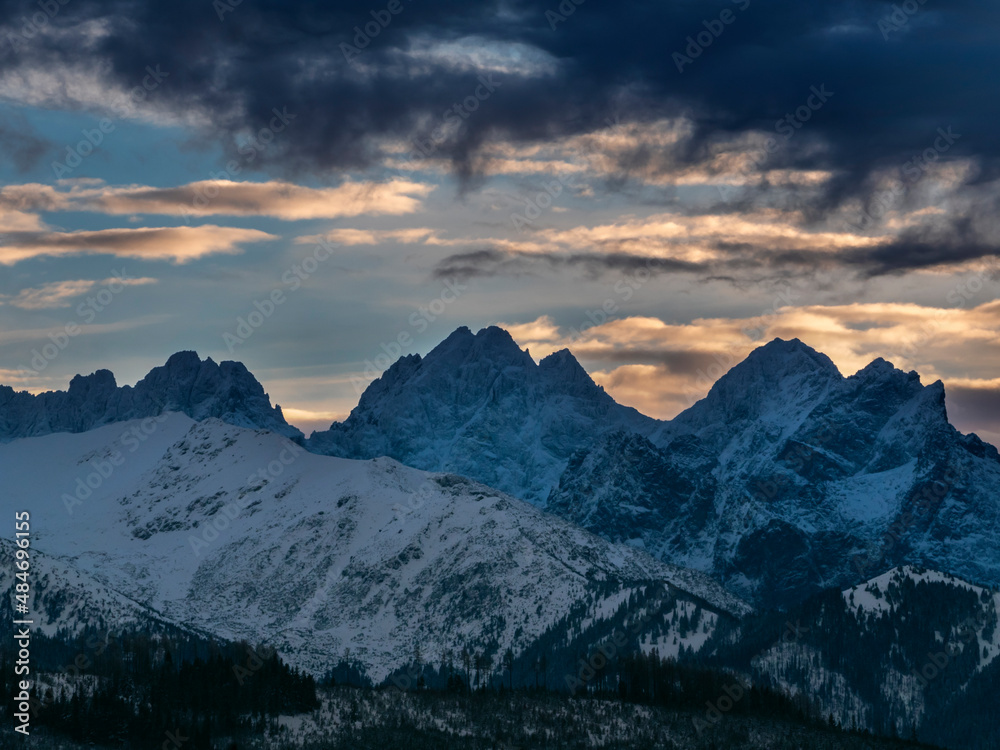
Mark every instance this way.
x=633 y=677
x=928 y=640
x=489 y=719
x=150 y=689
x=649 y=679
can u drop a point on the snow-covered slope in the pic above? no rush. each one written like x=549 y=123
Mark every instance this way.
x=64 y=600
x=244 y=534
x=186 y=384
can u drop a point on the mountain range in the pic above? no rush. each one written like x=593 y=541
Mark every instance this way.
x=477 y=500
x=185 y=384
x=786 y=479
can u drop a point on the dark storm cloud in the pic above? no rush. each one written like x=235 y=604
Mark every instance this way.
x=954 y=240
x=481 y=263
x=893 y=75
x=678 y=362
x=974 y=408
x=626 y=263
x=892 y=87
x=494 y=262
x=914 y=250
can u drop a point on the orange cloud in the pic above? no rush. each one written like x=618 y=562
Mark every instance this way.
x=174 y=244
x=422 y=235
x=282 y=200
x=696 y=238
x=662 y=368
x=13 y=220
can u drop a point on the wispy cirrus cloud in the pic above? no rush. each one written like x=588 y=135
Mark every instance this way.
x=19 y=336
x=58 y=294
x=277 y=199
x=416 y=235
x=171 y=244
x=714 y=245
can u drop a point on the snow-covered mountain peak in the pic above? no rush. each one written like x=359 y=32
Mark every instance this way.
x=490 y=345
x=496 y=339
x=780 y=356
x=476 y=393
x=564 y=374
x=880 y=370
x=777 y=481
x=187 y=360
x=878 y=366
x=97 y=384
x=562 y=362
x=778 y=383
x=775 y=367
x=200 y=389
x=880 y=594
x=932 y=397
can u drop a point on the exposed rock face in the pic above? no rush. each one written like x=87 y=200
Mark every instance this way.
x=478 y=405
x=200 y=389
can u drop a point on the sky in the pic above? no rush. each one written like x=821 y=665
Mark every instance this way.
x=316 y=188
